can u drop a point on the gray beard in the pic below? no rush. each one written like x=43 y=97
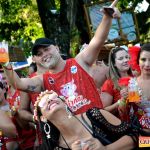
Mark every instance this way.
x=45 y=65
x=50 y=65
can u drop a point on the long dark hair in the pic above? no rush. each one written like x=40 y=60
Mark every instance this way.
x=3 y=87
x=113 y=70
x=53 y=141
x=34 y=66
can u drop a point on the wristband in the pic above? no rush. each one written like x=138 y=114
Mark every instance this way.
x=5 y=64
x=118 y=102
x=33 y=119
x=121 y=102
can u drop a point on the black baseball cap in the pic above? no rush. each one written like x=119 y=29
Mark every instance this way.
x=41 y=42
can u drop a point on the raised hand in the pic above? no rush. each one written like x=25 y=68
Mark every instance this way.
x=93 y=144
x=124 y=92
x=114 y=3
x=111 y=10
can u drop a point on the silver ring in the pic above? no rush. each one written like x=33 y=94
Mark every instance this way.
x=82 y=144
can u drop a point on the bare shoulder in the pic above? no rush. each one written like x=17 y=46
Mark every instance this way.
x=84 y=56
x=82 y=63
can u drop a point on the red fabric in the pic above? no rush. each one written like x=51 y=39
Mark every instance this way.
x=12 y=99
x=3 y=142
x=123 y=81
x=108 y=87
x=33 y=98
x=133 y=52
x=26 y=137
x=75 y=85
x=33 y=74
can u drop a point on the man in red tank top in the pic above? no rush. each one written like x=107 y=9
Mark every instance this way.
x=69 y=78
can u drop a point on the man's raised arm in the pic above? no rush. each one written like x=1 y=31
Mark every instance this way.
x=88 y=56
x=24 y=84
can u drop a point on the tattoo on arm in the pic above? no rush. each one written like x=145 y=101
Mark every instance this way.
x=31 y=88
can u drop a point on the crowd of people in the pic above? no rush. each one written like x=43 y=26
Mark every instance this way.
x=79 y=103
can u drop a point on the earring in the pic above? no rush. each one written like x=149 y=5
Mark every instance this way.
x=68 y=112
x=47 y=130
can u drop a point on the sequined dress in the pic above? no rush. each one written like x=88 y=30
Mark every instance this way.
x=141 y=108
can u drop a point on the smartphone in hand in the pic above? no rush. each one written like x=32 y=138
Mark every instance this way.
x=109 y=10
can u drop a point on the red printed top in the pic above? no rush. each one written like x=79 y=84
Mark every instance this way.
x=76 y=85
x=26 y=137
x=14 y=100
x=108 y=87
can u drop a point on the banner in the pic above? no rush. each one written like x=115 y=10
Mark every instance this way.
x=144 y=141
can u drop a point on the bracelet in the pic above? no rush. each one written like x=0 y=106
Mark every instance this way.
x=118 y=102
x=121 y=102
x=13 y=111
x=33 y=119
x=5 y=66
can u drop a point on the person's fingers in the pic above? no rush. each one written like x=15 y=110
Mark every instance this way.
x=124 y=92
x=124 y=95
x=76 y=145
x=120 y=111
x=102 y=62
x=78 y=142
x=114 y=3
x=51 y=91
x=85 y=147
x=89 y=145
x=116 y=13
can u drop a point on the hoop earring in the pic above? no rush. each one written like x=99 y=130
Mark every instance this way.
x=68 y=112
x=47 y=130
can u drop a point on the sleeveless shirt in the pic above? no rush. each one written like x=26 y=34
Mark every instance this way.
x=76 y=85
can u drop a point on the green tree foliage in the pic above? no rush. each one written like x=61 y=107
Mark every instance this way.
x=55 y=24
x=66 y=24
x=20 y=23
